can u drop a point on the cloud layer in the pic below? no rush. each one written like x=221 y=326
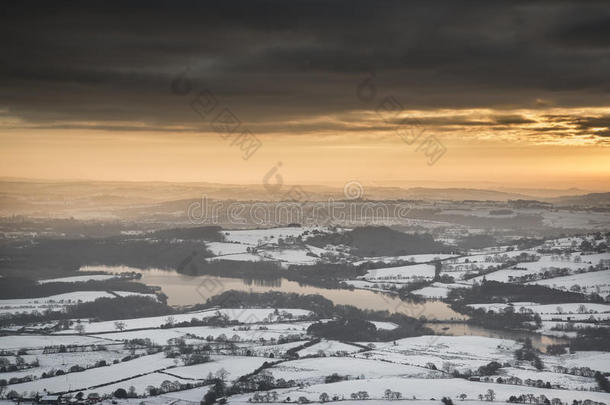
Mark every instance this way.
x=285 y=66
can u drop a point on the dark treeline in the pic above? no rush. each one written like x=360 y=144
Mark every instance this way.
x=476 y=241
x=274 y=299
x=345 y=329
x=495 y=291
x=324 y=274
x=508 y=319
x=230 y=268
x=321 y=275
x=323 y=308
x=19 y=287
x=48 y=257
x=108 y=309
x=361 y=330
x=381 y=241
x=591 y=339
x=207 y=233
x=102 y=309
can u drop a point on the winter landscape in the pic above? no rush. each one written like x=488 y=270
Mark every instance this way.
x=413 y=310
x=347 y=202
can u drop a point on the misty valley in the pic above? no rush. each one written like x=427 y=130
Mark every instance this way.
x=495 y=307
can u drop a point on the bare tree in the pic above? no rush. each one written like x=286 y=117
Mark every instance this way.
x=79 y=328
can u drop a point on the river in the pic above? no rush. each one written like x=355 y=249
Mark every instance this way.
x=184 y=290
x=188 y=290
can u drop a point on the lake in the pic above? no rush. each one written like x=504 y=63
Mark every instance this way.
x=188 y=290
x=184 y=290
x=540 y=342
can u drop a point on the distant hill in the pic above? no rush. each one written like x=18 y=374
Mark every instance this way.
x=422 y=193
x=104 y=198
x=599 y=200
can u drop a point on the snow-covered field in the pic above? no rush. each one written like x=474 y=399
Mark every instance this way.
x=595 y=360
x=234 y=333
x=256 y=236
x=140 y=384
x=315 y=369
x=12 y=342
x=225 y=248
x=593 y=282
x=438 y=290
x=419 y=368
x=76 y=279
x=401 y=274
x=96 y=376
x=243 y=315
x=421 y=258
x=58 y=302
x=576 y=219
x=290 y=256
x=546 y=263
x=421 y=388
x=328 y=348
x=567 y=308
x=235 y=366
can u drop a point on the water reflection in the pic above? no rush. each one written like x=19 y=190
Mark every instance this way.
x=461 y=329
x=188 y=290
x=276 y=282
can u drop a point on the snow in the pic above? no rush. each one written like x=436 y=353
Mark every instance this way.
x=141 y=323
x=257 y=315
x=290 y=256
x=76 y=279
x=139 y=383
x=313 y=370
x=241 y=257
x=192 y=395
x=400 y=273
x=385 y=325
x=63 y=361
x=544 y=264
x=95 y=376
x=592 y=282
x=438 y=290
x=254 y=236
x=576 y=219
x=565 y=308
x=474 y=350
x=426 y=389
x=12 y=342
x=328 y=347
x=595 y=360
x=268 y=331
x=555 y=379
x=421 y=258
x=242 y=315
x=224 y=248
x=58 y=302
x=235 y=366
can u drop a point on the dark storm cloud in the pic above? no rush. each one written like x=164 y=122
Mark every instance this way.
x=272 y=61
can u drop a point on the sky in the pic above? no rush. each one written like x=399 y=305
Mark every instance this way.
x=383 y=92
